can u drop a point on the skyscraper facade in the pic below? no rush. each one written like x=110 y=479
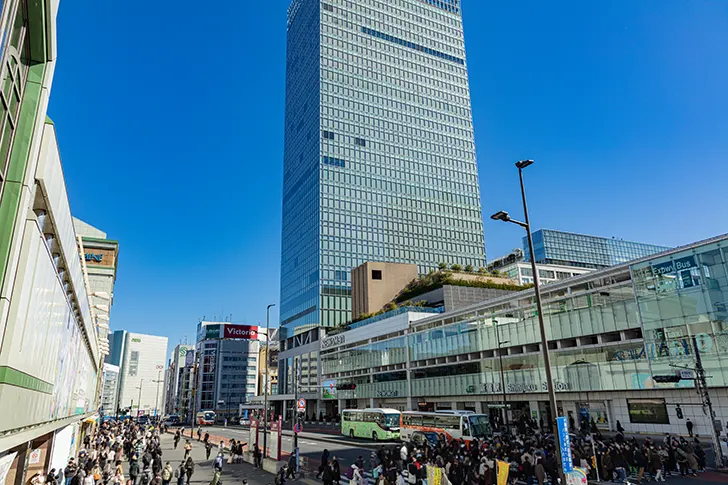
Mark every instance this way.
x=583 y=251
x=379 y=159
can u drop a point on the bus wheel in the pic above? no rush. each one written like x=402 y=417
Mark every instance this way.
x=351 y=433
x=374 y=436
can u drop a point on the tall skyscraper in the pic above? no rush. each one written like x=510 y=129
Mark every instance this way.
x=379 y=161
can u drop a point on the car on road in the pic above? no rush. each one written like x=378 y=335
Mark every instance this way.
x=421 y=438
x=244 y=422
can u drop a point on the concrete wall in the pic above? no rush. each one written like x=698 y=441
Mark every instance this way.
x=369 y=295
x=456 y=297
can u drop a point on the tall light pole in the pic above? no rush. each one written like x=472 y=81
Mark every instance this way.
x=503 y=216
x=265 y=377
x=139 y=405
x=156 y=403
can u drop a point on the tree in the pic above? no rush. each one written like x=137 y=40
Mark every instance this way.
x=442 y=266
x=456 y=267
x=469 y=268
x=390 y=306
x=482 y=270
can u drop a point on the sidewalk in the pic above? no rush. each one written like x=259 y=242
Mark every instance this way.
x=231 y=473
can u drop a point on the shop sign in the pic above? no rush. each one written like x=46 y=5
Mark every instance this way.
x=674 y=266
x=136 y=340
x=388 y=393
x=333 y=341
x=209 y=332
x=34 y=457
x=240 y=331
x=94 y=258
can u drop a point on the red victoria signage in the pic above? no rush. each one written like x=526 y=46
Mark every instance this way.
x=241 y=331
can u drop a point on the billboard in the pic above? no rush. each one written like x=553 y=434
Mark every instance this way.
x=240 y=331
x=216 y=331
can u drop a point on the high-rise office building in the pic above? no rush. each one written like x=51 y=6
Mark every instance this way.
x=379 y=158
x=583 y=251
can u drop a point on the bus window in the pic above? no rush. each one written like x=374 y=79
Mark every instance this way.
x=448 y=422
x=408 y=420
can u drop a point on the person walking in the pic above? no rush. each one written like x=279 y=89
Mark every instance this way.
x=133 y=471
x=208 y=450
x=70 y=471
x=189 y=469
x=188 y=448
x=167 y=474
x=328 y=474
x=689 y=426
x=324 y=463
x=199 y=433
x=177 y=437
x=217 y=465
x=257 y=457
x=179 y=473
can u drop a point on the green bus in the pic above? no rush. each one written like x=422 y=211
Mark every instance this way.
x=371 y=423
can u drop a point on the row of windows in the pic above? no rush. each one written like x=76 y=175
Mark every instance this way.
x=460 y=155
x=441 y=30
x=380 y=94
x=366 y=47
x=456 y=196
x=336 y=162
x=411 y=45
x=394 y=161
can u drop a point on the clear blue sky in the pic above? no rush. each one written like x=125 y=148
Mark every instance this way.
x=170 y=125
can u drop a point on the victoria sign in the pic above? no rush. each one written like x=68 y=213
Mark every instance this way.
x=241 y=331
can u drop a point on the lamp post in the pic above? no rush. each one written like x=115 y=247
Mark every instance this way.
x=503 y=216
x=156 y=402
x=265 y=377
x=139 y=404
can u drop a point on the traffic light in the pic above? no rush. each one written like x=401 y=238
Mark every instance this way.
x=673 y=378
x=679 y=413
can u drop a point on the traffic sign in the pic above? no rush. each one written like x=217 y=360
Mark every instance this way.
x=301 y=404
x=297 y=428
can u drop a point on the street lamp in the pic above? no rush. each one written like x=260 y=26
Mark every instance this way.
x=265 y=377
x=503 y=380
x=156 y=403
x=139 y=405
x=503 y=216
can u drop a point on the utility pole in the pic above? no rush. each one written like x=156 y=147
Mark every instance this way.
x=265 y=377
x=295 y=408
x=194 y=391
x=702 y=386
x=139 y=406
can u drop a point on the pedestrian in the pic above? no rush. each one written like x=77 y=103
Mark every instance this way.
x=291 y=473
x=206 y=439
x=208 y=450
x=189 y=469
x=328 y=474
x=188 y=448
x=167 y=474
x=177 y=437
x=324 y=463
x=539 y=471
x=217 y=465
x=257 y=457
x=336 y=470
x=620 y=429
x=179 y=473
x=146 y=478
x=70 y=471
x=689 y=425
x=199 y=433
x=52 y=477
x=133 y=471
x=280 y=478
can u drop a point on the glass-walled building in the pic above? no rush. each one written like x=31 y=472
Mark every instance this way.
x=379 y=152
x=610 y=332
x=583 y=251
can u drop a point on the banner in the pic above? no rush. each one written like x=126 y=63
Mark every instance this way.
x=565 y=445
x=503 y=469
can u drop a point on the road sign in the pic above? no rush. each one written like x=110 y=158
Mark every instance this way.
x=686 y=374
x=297 y=428
x=301 y=405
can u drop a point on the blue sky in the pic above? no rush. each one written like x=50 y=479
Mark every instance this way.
x=170 y=125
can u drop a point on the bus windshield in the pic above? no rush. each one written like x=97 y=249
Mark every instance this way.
x=209 y=415
x=479 y=426
x=391 y=420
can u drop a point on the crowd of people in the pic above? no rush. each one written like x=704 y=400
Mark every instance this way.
x=528 y=454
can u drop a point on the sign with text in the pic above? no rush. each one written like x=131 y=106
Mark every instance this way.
x=240 y=331
x=674 y=266
x=565 y=445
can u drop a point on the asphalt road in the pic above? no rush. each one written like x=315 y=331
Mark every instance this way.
x=346 y=451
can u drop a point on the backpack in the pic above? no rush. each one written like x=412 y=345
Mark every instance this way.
x=349 y=473
x=176 y=473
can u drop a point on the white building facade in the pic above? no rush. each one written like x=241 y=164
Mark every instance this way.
x=180 y=380
x=109 y=390
x=141 y=380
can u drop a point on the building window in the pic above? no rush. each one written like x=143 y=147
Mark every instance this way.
x=328 y=8
x=360 y=142
x=328 y=135
x=648 y=411
x=376 y=274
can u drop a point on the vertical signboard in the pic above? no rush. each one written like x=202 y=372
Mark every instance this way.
x=565 y=444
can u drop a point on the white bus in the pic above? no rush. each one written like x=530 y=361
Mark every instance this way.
x=461 y=425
